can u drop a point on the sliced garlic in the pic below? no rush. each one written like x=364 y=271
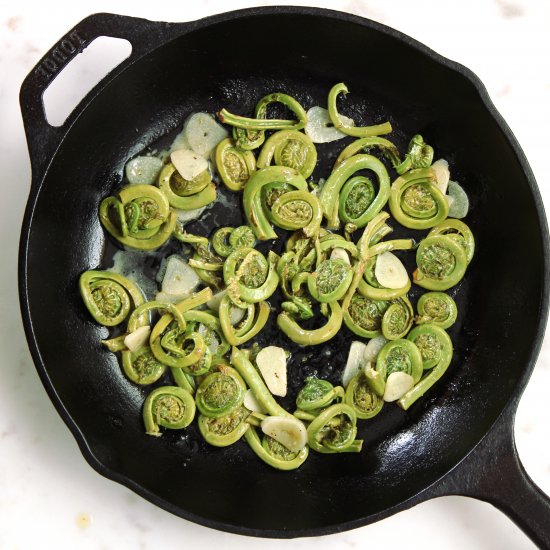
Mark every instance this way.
x=143 y=170
x=180 y=142
x=236 y=315
x=251 y=403
x=355 y=361
x=203 y=133
x=138 y=338
x=210 y=337
x=272 y=364
x=288 y=431
x=397 y=385
x=216 y=300
x=459 y=203
x=319 y=127
x=340 y=254
x=390 y=272
x=373 y=349
x=188 y=163
x=186 y=216
x=442 y=174
x=180 y=278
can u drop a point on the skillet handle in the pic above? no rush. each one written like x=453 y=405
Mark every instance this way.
x=42 y=138
x=494 y=473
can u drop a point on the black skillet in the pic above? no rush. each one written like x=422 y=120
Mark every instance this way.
x=456 y=440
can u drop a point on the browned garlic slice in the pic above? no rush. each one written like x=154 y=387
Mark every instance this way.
x=288 y=431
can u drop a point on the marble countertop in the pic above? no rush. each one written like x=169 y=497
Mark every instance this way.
x=49 y=496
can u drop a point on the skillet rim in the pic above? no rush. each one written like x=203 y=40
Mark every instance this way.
x=180 y=30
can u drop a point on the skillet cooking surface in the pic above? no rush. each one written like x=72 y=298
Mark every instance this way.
x=232 y=64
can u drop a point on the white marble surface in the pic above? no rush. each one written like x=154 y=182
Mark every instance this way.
x=49 y=496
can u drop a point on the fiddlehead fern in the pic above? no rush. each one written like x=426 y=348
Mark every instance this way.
x=364 y=316
x=330 y=281
x=419 y=155
x=437 y=308
x=370 y=287
x=227 y=239
x=274 y=453
x=339 y=124
x=427 y=341
x=254 y=210
x=457 y=231
x=220 y=393
x=329 y=195
x=248 y=140
x=397 y=319
x=139 y=217
x=416 y=202
x=249 y=276
x=177 y=188
x=172 y=347
x=313 y=337
x=334 y=430
x=366 y=145
x=318 y=394
x=224 y=430
x=170 y=407
x=263 y=123
x=297 y=210
x=361 y=398
x=141 y=366
x=255 y=319
x=436 y=372
x=234 y=165
x=441 y=263
x=355 y=199
x=396 y=356
x=291 y=149
x=210 y=327
x=108 y=296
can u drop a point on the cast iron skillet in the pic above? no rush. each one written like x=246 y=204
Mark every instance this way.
x=458 y=439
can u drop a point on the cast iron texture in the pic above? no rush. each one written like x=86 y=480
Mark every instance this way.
x=458 y=439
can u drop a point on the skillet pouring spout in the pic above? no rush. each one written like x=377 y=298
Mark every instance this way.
x=457 y=439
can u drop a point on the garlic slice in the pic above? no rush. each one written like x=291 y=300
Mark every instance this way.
x=457 y=198
x=373 y=349
x=390 y=272
x=138 y=338
x=188 y=163
x=442 y=174
x=180 y=278
x=397 y=385
x=272 y=364
x=251 y=403
x=143 y=170
x=186 y=216
x=355 y=361
x=288 y=431
x=340 y=254
x=203 y=133
x=319 y=127
x=216 y=300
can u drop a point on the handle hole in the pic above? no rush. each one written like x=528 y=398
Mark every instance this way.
x=81 y=75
